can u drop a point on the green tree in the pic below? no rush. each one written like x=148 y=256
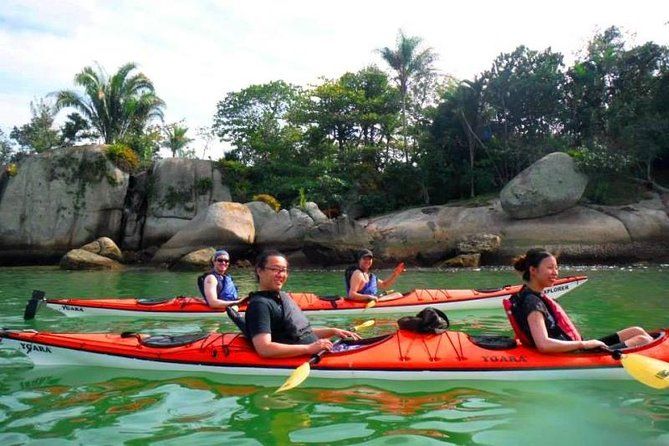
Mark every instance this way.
x=114 y=106
x=470 y=110
x=74 y=129
x=255 y=121
x=637 y=122
x=175 y=138
x=38 y=135
x=6 y=149
x=588 y=89
x=357 y=110
x=524 y=90
x=616 y=102
x=411 y=66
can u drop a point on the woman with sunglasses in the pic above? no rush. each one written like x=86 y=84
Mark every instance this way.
x=216 y=286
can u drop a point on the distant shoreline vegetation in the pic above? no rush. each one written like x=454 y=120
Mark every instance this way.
x=396 y=136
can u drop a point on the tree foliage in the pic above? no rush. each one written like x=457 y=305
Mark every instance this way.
x=37 y=135
x=115 y=106
x=175 y=139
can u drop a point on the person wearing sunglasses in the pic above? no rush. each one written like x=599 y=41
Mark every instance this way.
x=217 y=286
x=275 y=324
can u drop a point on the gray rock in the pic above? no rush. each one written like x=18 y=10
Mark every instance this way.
x=283 y=230
x=59 y=200
x=179 y=189
x=199 y=260
x=480 y=243
x=104 y=246
x=335 y=241
x=78 y=259
x=646 y=220
x=548 y=186
x=463 y=261
x=315 y=213
x=225 y=224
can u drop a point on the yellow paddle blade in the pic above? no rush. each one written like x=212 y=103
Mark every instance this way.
x=649 y=371
x=365 y=324
x=370 y=304
x=296 y=378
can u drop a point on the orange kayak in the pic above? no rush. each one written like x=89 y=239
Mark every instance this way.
x=189 y=307
x=402 y=355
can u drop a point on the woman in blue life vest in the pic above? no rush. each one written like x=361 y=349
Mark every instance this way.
x=544 y=323
x=216 y=286
x=361 y=284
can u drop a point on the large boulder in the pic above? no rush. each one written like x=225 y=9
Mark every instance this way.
x=430 y=235
x=178 y=190
x=335 y=241
x=199 y=260
x=548 y=186
x=104 y=246
x=77 y=259
x=427 y=235
x=646 y=220
x=283 y=230
x=224 y=225
x=315 y=213
x=59 y=200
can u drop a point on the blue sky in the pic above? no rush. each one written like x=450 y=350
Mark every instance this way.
x=197 y=51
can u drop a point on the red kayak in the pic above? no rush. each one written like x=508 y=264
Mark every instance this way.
x=402 y=355
x=190 y=307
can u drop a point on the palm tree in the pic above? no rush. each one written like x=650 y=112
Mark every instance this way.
x=411 y=65
x=113 y=105
x=175 y=138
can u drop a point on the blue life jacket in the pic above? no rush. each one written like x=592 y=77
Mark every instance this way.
x=226 y=287
x=371 y=287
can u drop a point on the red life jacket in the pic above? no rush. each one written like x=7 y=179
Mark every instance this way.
x=561 y=319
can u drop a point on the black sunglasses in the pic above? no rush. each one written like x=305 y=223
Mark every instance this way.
x=222 y=261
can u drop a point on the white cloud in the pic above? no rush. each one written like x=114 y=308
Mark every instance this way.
x=196 y=52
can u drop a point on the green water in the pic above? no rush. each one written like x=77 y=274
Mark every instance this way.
x=102 y=406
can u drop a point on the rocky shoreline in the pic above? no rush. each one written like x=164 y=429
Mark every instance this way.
x=173 y=215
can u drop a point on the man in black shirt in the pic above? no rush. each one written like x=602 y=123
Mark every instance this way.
x=276 y=325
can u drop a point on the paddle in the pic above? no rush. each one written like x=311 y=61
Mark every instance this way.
x=34 y=304
x=302 y=372
x=649 y=371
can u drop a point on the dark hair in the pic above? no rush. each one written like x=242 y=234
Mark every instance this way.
x=533 y=257
x=261 y=260
x=363 y=253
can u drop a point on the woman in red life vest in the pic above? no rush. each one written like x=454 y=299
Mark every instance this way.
x=542 y=321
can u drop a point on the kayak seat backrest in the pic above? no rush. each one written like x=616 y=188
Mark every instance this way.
x=488 y=290
x=494 y=342
x=166 y=341
x=347 y=345
x=200 y=282
x=153 y=300
x=520 y=335
x=330 y=298
x=238 y=319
